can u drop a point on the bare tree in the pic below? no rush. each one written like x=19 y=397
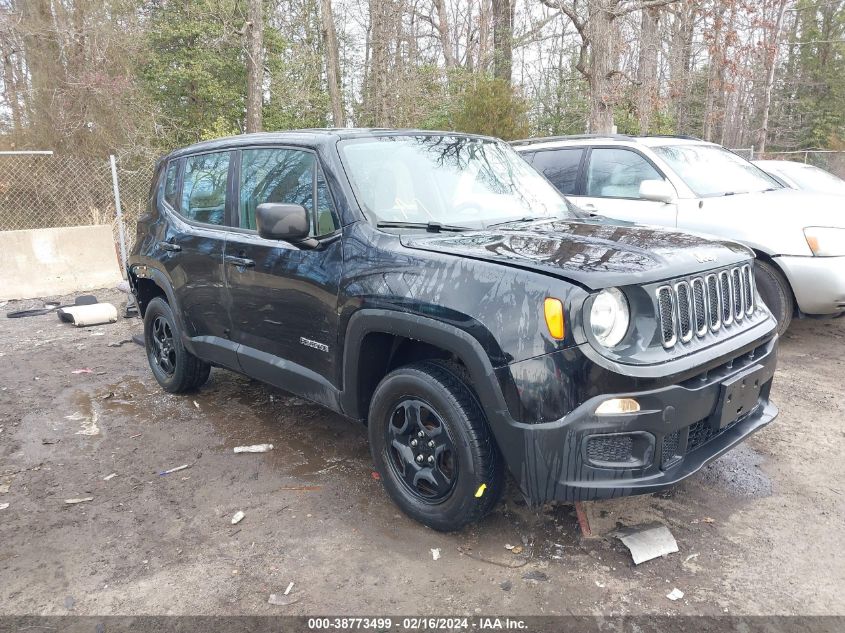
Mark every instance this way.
x=647 y=68
x=255 y=66
x=503 y=39
x=771 y=56
x=332 y=63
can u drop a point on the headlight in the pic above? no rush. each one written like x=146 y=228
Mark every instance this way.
x=825 y=241
x=609 y=317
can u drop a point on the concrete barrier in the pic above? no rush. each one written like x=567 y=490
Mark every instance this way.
x=49 y=262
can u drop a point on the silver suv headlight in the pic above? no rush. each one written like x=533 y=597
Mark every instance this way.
x=610 y=317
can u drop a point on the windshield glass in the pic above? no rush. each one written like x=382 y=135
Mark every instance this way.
x=710 y=170
x=814 y=179
x=449 y=180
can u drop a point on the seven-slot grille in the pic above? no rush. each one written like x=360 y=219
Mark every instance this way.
x=692 y=308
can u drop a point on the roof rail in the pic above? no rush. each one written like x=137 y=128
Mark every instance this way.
x=617 y=137
x=570 y=137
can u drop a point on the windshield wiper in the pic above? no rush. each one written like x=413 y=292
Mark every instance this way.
x=525 y=219
x=431 y=227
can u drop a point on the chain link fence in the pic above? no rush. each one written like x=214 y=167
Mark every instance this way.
x=45 y=190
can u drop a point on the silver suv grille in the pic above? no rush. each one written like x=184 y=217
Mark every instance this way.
x=690 y=309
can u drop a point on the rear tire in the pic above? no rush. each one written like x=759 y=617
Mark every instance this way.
x=432 y=446
x=776 y=294
x=174 y=367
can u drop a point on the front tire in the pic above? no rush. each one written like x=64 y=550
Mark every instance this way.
x=174 y=367
x=432 y=446
x=776 y=294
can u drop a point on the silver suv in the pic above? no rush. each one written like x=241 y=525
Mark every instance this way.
x=686 y=183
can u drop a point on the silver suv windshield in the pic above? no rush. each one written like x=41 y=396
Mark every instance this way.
x=709 y=170
x=459 y=181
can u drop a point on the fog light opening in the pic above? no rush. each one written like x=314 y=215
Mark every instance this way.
x=618 y=406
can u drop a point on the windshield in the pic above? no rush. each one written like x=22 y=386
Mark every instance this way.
x=709 y=170
x=813 y=179
x=449 y=180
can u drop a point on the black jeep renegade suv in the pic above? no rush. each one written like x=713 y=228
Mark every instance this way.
x=436 y=287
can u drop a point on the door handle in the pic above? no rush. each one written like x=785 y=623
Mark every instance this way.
x=167 y=246
x=240 y=262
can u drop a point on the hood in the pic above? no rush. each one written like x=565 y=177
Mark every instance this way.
x=595 y=253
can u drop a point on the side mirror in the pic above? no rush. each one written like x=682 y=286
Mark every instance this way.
x=657 y=191
x=286 y=222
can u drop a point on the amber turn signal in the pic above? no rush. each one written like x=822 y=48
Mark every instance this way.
x=553 y=309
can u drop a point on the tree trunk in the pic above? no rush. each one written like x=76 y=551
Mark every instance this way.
x=603 y=40
x=771 y=64
x=332 y=63
x=503 y=39
x=444 y=33
x=255 y=66
x=647 y=69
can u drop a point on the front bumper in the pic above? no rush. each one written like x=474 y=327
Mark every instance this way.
x=679 y=429
x=818 y=283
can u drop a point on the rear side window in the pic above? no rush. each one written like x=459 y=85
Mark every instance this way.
x=617 y=173
x=560 y=166
x=204 y=188
x=171 y=184
x=287 y=176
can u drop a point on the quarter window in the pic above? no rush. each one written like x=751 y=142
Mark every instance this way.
x=286 y=176
x=560 y=166
x=617 y=173
x=171 y=184
x=204 y=188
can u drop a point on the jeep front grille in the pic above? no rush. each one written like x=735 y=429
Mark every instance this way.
x=690 y=308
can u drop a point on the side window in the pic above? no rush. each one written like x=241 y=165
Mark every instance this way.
x=171 y=184
x=285 y=176
x=617 y=173
x=560 y=166
x=204 y=188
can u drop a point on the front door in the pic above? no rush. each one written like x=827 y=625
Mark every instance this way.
x=612 y=187
x=283 y=296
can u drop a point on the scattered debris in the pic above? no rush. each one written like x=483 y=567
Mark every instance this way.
x=3 y=506
x=535 y=576
x=112 y=476
x=282 y=600
x=290 y=586
x=600 y=584
x=255 y=448
x=120 y=343
x=506 y=585
x=196 y=404
x=435 y=553
x=137 y=435
x=107 y=396
x=466 y=551
x=300 y=488
x=85 y=315
x=516 y=549
x=79 y=500
x=238 y=517
x=508 y=546
x=675 y=594
x=174 y=470
x=648 y=541
x=47 y=441
x=69 y=602
x=85 y=370
x=375 y=475
x=690 y=557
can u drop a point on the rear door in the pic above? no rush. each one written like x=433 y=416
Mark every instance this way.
x=283 y=296
x=611 y=187
x=562 y=167
x=196 y=195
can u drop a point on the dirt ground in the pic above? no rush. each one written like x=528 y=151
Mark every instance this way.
x=760 y=531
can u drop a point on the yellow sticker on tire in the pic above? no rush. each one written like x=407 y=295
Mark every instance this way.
x=480 y=491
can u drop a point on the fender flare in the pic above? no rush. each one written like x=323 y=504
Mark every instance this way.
x=427 y=330
x=160 y=279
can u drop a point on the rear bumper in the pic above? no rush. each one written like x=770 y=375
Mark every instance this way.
x=678 y=430
x=818 y=283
